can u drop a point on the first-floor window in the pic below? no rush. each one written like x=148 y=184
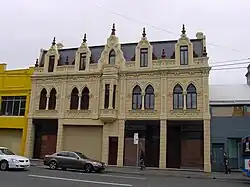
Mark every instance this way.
x=13 y=105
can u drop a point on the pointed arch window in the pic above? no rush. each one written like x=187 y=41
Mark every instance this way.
x=52 y=99
x=43 y=99
x=178 y=99
x=74 y=99
x=85 y=99
x=112 y=57
x=136 y=98
x=191 y=98
x=149 y=97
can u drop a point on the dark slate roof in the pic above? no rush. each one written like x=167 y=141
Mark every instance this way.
x=128 y=51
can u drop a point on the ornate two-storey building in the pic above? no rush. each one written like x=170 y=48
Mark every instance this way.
x=93 y=99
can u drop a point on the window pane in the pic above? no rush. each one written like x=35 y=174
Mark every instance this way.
x=180 y=101
x=22 y=112
x=139 y=101
x=175 y=101
x=72 y=155
x=9 y=107
x=144 y=57
x=23 y=104
x=147 y=101
x=3 y=107
x=23 y=97
x=82 y=62
x=4 y=98
x=134 y=97
x=16 y=108
x=182 y=57
x=152 y=99
x=189 y=101
x=112 y=60
x=194 y=101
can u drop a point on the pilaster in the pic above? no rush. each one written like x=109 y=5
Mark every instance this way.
x=121 y=125
x=30 y=139
x=163 y=144
x=207 y=144
x=59 y=142
x=105 y=144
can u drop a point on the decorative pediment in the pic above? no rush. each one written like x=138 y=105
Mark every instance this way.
x=82 y=50
x=84 y=46
x=53 y=51
x=184 y=41
x=112 y=44
x=144 y=44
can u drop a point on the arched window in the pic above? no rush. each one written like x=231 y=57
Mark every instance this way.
x=52 y=99
x=149 y=100
x=112 y=57
x=136 y=98
x=178 y=100
x=191 y=98
x=85 y=99
x=43 y=99
x=74 y=99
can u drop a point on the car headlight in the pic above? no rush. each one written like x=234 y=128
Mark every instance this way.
x=96 y=164
x=14 y=160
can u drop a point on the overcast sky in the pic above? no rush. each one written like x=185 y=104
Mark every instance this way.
x=28 y=25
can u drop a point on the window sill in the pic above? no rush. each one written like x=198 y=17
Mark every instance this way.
x=185 y=110
x=75 y=111
x=152 y=111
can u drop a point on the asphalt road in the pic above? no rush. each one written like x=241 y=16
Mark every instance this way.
x=41 y=177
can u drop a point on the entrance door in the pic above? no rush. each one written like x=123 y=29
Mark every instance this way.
x=174 y=146
x=217 y=157
x=48 y=145
x=113 y=148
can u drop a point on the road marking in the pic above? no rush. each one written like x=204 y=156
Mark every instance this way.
x=116 y=176
x=78 y=180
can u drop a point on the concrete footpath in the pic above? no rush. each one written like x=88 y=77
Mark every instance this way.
x=235 y=176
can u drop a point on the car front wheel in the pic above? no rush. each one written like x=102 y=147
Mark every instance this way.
x=88 y=168
x=53 y=165
x=4 y=165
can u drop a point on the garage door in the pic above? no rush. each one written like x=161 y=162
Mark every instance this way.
x=85 y=139
x=12 y=139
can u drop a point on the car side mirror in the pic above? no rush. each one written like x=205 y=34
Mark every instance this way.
x=77 y=158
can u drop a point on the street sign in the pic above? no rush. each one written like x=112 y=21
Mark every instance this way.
x=136 y=138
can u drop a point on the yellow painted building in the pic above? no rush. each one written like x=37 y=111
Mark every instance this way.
x=15 y=88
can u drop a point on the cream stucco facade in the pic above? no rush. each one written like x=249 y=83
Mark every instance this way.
x=161 y=73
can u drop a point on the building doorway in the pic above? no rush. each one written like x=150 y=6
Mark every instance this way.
x=45 y=137
x=149 y=142
x=113 y=148
x=218 y=157
x=185 y=144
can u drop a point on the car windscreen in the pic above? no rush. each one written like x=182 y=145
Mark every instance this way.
x=6 y=152
x=81 y=155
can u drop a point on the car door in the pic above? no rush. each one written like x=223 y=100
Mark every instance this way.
x=62 y=159
x=73 y=161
